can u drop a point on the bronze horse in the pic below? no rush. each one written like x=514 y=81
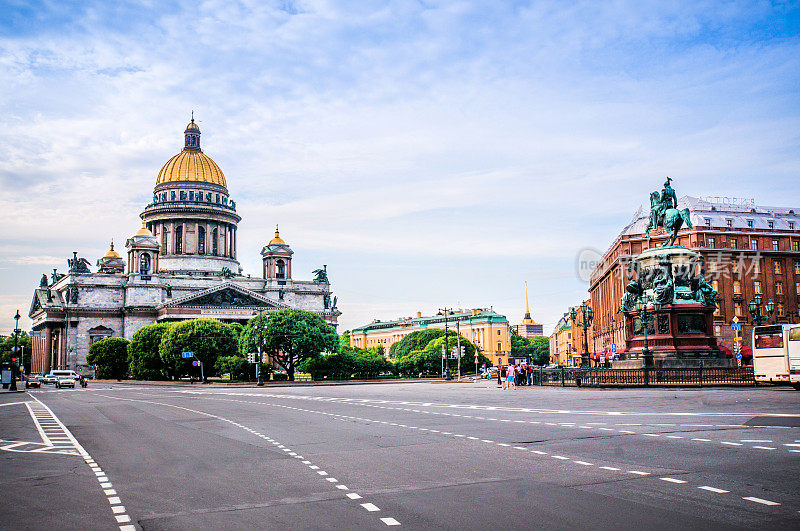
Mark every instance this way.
x=672 y=220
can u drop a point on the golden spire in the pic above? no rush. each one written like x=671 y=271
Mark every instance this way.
x=277 y=240
x=111 y=253
x=527 y=318
x=144 y=231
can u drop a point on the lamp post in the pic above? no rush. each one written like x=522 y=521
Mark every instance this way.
x=754 y=307
x=647 y=309
x=258 y=362
x=15 y=366
x=587 y=315
x=446 y=346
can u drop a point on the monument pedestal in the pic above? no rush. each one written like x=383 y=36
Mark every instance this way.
x=680 y=333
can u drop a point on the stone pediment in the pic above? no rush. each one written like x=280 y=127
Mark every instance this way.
x=225 y=296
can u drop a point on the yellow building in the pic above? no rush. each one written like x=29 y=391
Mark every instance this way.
x=485 y=328
x=561 y=344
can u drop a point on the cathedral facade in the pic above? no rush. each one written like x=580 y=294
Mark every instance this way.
x=181 y=264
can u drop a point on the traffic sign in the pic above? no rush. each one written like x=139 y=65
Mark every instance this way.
x=613 y=348
x=736 y=327
x=188 y=354
x=737 y=338
x=196 y=363
x=735 y=319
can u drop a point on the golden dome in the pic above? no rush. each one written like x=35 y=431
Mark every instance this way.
x=144 y=231
x=189 y=165
x=111 y=253
x=277 y=240
x=192 y=126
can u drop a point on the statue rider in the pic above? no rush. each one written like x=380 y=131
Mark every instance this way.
x=668 y=197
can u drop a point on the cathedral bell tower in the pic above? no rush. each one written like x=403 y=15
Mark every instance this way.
x=277 y=258
x=143 y=253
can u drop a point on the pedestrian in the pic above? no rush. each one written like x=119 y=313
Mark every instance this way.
x=530 y=374
x=501 y=376
x=510 y=378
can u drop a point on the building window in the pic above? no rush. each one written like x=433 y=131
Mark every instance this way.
x=214 y=242
x=797 y=288
x=729 y=223
x=717 y=311
x=797 y=267
x=757 y=287
x=749 y=223
x=781 y=310
x=498 y=332
x=771 y=224
x=796 y=245
x=777 y=268
x=191 y=195
x=717 y=330
x=172 y=195
x=791 y=225
x=733 y=243
x=754 y=245
x=499 y=346
x=217 y=198
x=774 y=245
x=281 y=266
x=201 y=240
x=711 y=242
x=715 y=285
x=779 y=288
x=737 y=309
x=708 y=222
x=737 y=287
x=178 y=239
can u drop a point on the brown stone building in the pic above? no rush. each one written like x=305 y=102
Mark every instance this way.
x=748 y=249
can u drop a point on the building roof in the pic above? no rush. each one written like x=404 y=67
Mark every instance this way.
x=420 y=323
x=717 y=211
x=191 y=164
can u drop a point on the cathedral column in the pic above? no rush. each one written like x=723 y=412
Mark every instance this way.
x=47 y=355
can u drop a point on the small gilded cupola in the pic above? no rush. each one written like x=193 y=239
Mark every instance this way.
x=192 y=136
x=277 y=259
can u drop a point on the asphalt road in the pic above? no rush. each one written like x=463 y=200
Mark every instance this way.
x=417 y=455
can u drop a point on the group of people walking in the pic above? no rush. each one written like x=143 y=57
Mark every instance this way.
x=510 y=376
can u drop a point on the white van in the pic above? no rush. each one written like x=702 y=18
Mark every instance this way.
x=72 y=374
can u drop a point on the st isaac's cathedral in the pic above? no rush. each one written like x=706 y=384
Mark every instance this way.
x=181 y=264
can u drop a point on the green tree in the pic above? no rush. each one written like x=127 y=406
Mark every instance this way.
x=208 y=339
x=415 y=341
x=144 y=359
x=237 y=366
x=290 y=337
x=344 y=340
x=23 y=345
x=110 y=357
x=541 y=350
x=428 y=360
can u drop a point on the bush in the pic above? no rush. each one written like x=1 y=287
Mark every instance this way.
x=110 y=357
x=428 y=360
x=280 y=377
x=208 y=339
x=416 y=341
x=237 y=366
x=144 y=360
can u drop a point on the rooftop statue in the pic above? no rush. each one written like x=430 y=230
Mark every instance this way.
x=664 y=213
x=321 y=275
x=78 y=265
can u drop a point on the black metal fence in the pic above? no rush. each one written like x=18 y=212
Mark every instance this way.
x=596 y=377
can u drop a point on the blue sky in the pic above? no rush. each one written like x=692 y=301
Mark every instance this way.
x=430 y=153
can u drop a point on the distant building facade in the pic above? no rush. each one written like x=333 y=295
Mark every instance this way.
x=485 y=328
x=528 y=328
x=561 y=342
x=747 y=249
x=181 y=264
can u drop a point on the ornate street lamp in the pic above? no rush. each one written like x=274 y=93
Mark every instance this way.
x=587 y=314
x=754 y=307
x=647 y=308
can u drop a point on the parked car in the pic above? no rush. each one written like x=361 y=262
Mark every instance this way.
x=32 y=381
x=65 y=381
x=49 y=378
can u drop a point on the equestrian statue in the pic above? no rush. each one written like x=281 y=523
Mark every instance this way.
x=664 y=213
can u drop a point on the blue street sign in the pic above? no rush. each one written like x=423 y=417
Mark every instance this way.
x=738 y=355
x=189 y=354
x=613 y=348
x=736 y=327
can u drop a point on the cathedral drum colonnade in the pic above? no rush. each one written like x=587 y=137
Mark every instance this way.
x=181 y=264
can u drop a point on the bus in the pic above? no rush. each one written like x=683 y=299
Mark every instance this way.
x=776 y=354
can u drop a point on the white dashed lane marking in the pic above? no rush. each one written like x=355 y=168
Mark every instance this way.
x=351 y=495
x=676 y=481
x=41 y=412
